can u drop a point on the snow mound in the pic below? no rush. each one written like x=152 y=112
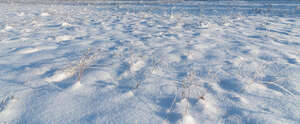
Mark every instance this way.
x=188 y=119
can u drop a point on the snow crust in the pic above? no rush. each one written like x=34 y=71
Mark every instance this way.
x=150 y=63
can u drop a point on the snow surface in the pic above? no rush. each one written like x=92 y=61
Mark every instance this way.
x=135 y=63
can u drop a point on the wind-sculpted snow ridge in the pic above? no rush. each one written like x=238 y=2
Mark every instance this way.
x=175 y=63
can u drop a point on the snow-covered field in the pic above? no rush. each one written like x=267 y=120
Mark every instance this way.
x=152 y=63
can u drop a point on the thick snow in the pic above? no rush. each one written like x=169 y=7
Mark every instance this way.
x=150 y=63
